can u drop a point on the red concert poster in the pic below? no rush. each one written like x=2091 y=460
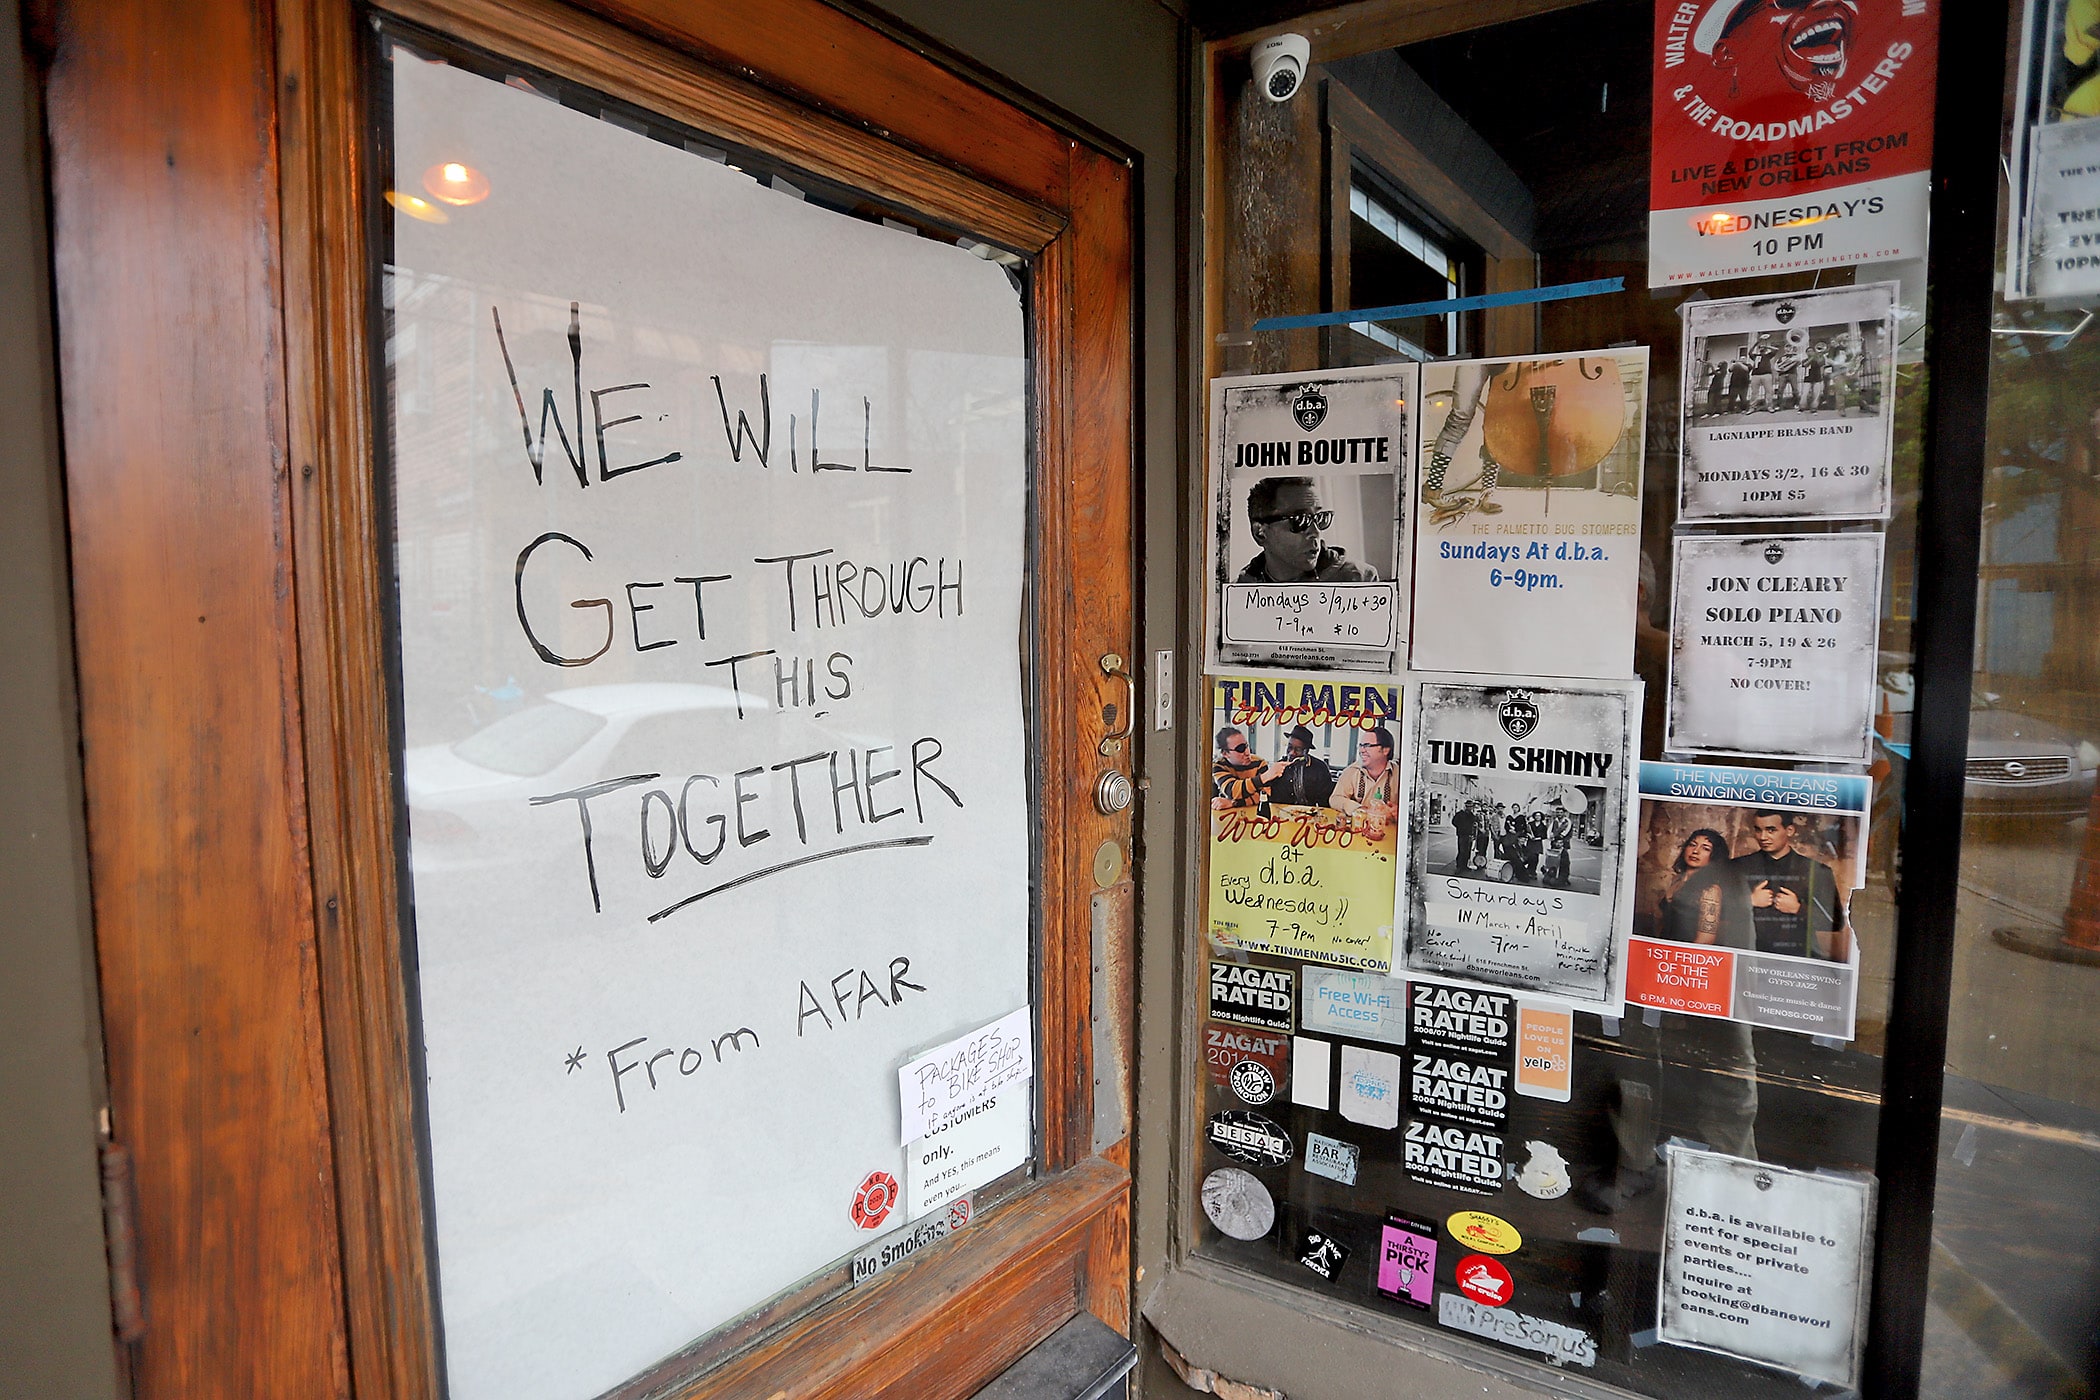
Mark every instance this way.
x=1789 y=134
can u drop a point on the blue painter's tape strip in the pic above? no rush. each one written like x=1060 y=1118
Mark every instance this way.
x=1566 y=291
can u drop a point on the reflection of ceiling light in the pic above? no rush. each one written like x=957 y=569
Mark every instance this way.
x=456 y=184
x=417 y=207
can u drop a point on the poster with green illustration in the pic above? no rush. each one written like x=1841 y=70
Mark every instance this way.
x=1304 y=835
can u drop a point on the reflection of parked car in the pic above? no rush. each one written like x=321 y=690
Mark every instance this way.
x=458 y=794
x=2018 y=766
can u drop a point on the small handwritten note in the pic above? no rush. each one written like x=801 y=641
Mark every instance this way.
x=939 y=1085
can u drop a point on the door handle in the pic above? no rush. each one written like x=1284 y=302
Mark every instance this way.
x=1112 y=742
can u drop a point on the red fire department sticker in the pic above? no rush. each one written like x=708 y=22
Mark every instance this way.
x=1484 y=1280
x=872 y=1202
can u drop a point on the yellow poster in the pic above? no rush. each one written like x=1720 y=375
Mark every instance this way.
x=1304 y=830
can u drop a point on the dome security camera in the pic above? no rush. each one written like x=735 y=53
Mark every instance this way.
x=1279 y=65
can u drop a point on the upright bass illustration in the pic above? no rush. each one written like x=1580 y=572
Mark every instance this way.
x=1545 y=423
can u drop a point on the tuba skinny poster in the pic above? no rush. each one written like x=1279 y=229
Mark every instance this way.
x=1520 y=821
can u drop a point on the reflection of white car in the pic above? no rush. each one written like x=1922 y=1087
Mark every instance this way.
x=461 y=795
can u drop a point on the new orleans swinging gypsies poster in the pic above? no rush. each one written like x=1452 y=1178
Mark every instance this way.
x=1308 y=551
x=1520 y=821
x=1304 y=819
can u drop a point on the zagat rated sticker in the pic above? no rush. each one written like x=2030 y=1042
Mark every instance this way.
x=1227 y=1046
x=1458 y=1018
x=1251 y=996
x=1249 y=1137
x=1238 y=1204
x=1490 y=1234
x=1460 y=1159
x=1322 y=1253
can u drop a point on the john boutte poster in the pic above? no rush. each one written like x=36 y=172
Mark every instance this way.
x=1788 y=134
x=1519 y=824
x=1788 y=405
x=1772 y=645
x=1527 y=535
x=1304 y=819
x=1743 y=893
x=1308 y=551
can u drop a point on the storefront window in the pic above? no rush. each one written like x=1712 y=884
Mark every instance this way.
x=2016 y=1247
x=1603 y=689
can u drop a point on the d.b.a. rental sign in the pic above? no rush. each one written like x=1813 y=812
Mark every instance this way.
x=1789 y=134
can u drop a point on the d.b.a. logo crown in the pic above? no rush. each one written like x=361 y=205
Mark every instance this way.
x=1310 y=408
x=1519 y=715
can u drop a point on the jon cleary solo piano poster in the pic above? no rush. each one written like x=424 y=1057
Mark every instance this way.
x=1773 y=645
x=1520 y=819
x=1308 y=551
x=1304 y=818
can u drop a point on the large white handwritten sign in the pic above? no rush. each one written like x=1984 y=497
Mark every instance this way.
x=710 y=540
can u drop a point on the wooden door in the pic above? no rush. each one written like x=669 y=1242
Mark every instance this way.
x=213 y=221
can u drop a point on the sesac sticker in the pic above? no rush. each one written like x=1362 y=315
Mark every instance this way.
x=873 y=1201
x=1238 y=1204
x=1407 y=1260
x=1484 y=1280
x=1227 y=1046
x=1322 y=1253
x=1332 y=1158
x=1490 y=1234
x=1252 y=1081
x=1249 y=1137
x=1251 y=996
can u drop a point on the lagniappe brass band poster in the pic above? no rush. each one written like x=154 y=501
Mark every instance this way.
x=1304 y=818
x=1520 y=821
x=1789 y=405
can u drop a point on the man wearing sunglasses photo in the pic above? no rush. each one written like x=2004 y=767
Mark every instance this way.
x=1238 y=778
x=1288 y=518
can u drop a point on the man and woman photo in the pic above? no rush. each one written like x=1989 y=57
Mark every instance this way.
x=1769 y=891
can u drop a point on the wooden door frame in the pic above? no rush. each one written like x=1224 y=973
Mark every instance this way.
x=210 y=243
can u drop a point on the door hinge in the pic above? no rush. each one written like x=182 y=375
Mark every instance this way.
x=127 y=1301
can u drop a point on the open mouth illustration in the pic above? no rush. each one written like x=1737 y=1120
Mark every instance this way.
x=1821 y=44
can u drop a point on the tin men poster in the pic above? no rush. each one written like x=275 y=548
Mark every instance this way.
x=1519 y=826
x=1308 y=555
x=1304 y=819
